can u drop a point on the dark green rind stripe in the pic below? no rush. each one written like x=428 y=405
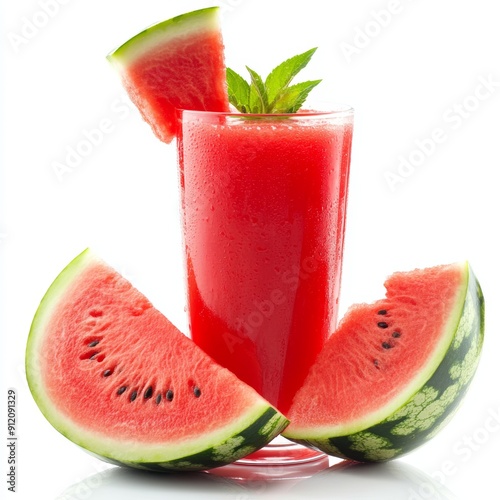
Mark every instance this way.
x=432 y=406
x=255 y=436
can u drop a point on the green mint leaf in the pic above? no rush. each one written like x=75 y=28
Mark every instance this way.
x=292 y=98
x=281 y=76
x=275 y=94
x=258 y=102
x=238 y=90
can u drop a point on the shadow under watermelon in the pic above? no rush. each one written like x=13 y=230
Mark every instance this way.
x=344 y=480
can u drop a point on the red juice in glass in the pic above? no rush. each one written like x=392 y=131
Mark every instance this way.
x=263 y=210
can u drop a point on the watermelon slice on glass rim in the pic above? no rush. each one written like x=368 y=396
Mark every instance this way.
x=176 y=64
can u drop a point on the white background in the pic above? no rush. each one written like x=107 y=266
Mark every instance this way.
x=420 y=68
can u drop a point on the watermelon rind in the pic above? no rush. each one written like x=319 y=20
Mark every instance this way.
x=433 y=402
x=172 y=28
x=254 y=429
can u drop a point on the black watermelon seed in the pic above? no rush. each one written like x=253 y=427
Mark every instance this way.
x=197 y=391
x=386 y=345
x=169 y=395
x=396 y=334
x=158 y=399
x=107 y=373
x=94 y=343
x=133 y=396
x=148 y=393
x=376 y=363
x=382 y=324
x=382 y=312
x=94 y=355
x=121 y=390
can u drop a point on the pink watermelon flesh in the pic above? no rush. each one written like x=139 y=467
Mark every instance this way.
x=103 y=362
x=182 y=69
x=114 y=338
x=368 y=361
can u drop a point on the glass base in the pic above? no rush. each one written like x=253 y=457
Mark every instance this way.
x=281 y=460
x=281 y=451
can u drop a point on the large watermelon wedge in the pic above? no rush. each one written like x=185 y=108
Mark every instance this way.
x=113 y=375
x=176 y=64
x=395 y=371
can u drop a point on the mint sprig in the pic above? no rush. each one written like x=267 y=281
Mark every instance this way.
x=274 y=94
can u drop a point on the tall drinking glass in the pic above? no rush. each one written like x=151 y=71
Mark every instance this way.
x=263 y=211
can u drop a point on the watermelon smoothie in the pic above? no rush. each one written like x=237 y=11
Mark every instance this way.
x=263 y=210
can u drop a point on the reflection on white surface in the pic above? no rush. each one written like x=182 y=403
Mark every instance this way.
x=344 y=480
x=394 y=480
